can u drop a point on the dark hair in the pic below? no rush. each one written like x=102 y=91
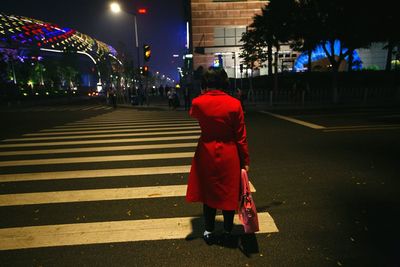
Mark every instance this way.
x=215 y=78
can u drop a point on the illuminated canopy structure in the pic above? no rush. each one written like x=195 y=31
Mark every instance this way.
x=319 y=55
x=22 y=32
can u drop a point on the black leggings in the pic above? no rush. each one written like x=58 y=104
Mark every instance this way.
x=209 y=217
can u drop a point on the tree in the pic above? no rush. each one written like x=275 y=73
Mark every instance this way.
x=306 y=24
x=8 y=62
x=384 y=27
x=252 y=49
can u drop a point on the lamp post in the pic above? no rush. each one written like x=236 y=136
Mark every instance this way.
x=116 y=8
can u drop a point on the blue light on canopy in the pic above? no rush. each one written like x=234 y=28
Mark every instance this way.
x=318 y=53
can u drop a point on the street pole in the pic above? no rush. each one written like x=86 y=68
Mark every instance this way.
x=137 y=41
x=138 y=53
x=13 y=71
x=234 y=70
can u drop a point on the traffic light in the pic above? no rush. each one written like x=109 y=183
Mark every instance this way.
x=142 y=10
x=145 y=70
x=241 y=68
x=147 y=52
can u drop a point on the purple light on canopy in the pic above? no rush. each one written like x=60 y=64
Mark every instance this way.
x=27 y=32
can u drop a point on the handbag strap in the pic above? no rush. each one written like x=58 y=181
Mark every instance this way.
x=245 y=186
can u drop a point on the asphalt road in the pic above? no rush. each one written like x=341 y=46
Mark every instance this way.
x=329 y=179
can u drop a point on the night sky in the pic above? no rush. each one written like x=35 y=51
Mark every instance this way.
x=163 y=27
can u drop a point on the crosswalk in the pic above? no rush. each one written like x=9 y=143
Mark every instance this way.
x=121 y=158
x=62 y=108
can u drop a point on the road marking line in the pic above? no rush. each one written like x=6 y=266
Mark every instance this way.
x=362 y=126
x=111 y=232
x=94 y=195
x=102 y=173
x=99 y=136
x=87 y=108
x=362 y=129
x=118 y=126
x=303 y=123
x=96 y=149
x=98 y=108
x=96 y=159
x=388 y=116
x=98 y=173
x=102 y=141
x=113 y=121
x=109 y=125
x=130 y=117
x=114 y=130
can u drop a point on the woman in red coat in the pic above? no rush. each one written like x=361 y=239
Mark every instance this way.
x=222 y=151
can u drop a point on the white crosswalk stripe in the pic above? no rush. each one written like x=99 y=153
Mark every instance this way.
x=101 y=135
x=115 y=127
x=175 y=136
x=94 y=195
x=108 y=232
x=60 y=108
x=96 y=149
x=99 y=173
x=96 y=159
x=101 y=141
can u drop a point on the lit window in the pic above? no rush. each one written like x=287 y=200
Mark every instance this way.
x=228 y=36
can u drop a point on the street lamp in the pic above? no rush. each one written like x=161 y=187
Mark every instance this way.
x=116 y=8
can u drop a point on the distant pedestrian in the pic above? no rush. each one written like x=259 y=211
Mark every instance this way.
x=113 y=97
x=170 y=97
x=175 y=99
x=187 y=98
x=221 y=153
x=239 y=96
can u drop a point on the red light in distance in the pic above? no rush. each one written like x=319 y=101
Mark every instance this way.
x=142 y=10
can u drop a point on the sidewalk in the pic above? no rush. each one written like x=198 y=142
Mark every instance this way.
x=155 y=103
x=265 y=106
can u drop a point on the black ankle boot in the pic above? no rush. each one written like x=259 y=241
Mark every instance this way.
x=209 y=239
x=229 y=240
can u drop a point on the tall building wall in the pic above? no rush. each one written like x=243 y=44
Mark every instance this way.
x=217 y=26
x=374 y=57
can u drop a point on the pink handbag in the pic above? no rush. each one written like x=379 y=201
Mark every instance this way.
x=247 y=209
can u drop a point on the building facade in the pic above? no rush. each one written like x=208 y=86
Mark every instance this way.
x=216 y=29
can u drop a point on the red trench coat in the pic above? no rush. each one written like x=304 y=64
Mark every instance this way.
x=222 y=150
